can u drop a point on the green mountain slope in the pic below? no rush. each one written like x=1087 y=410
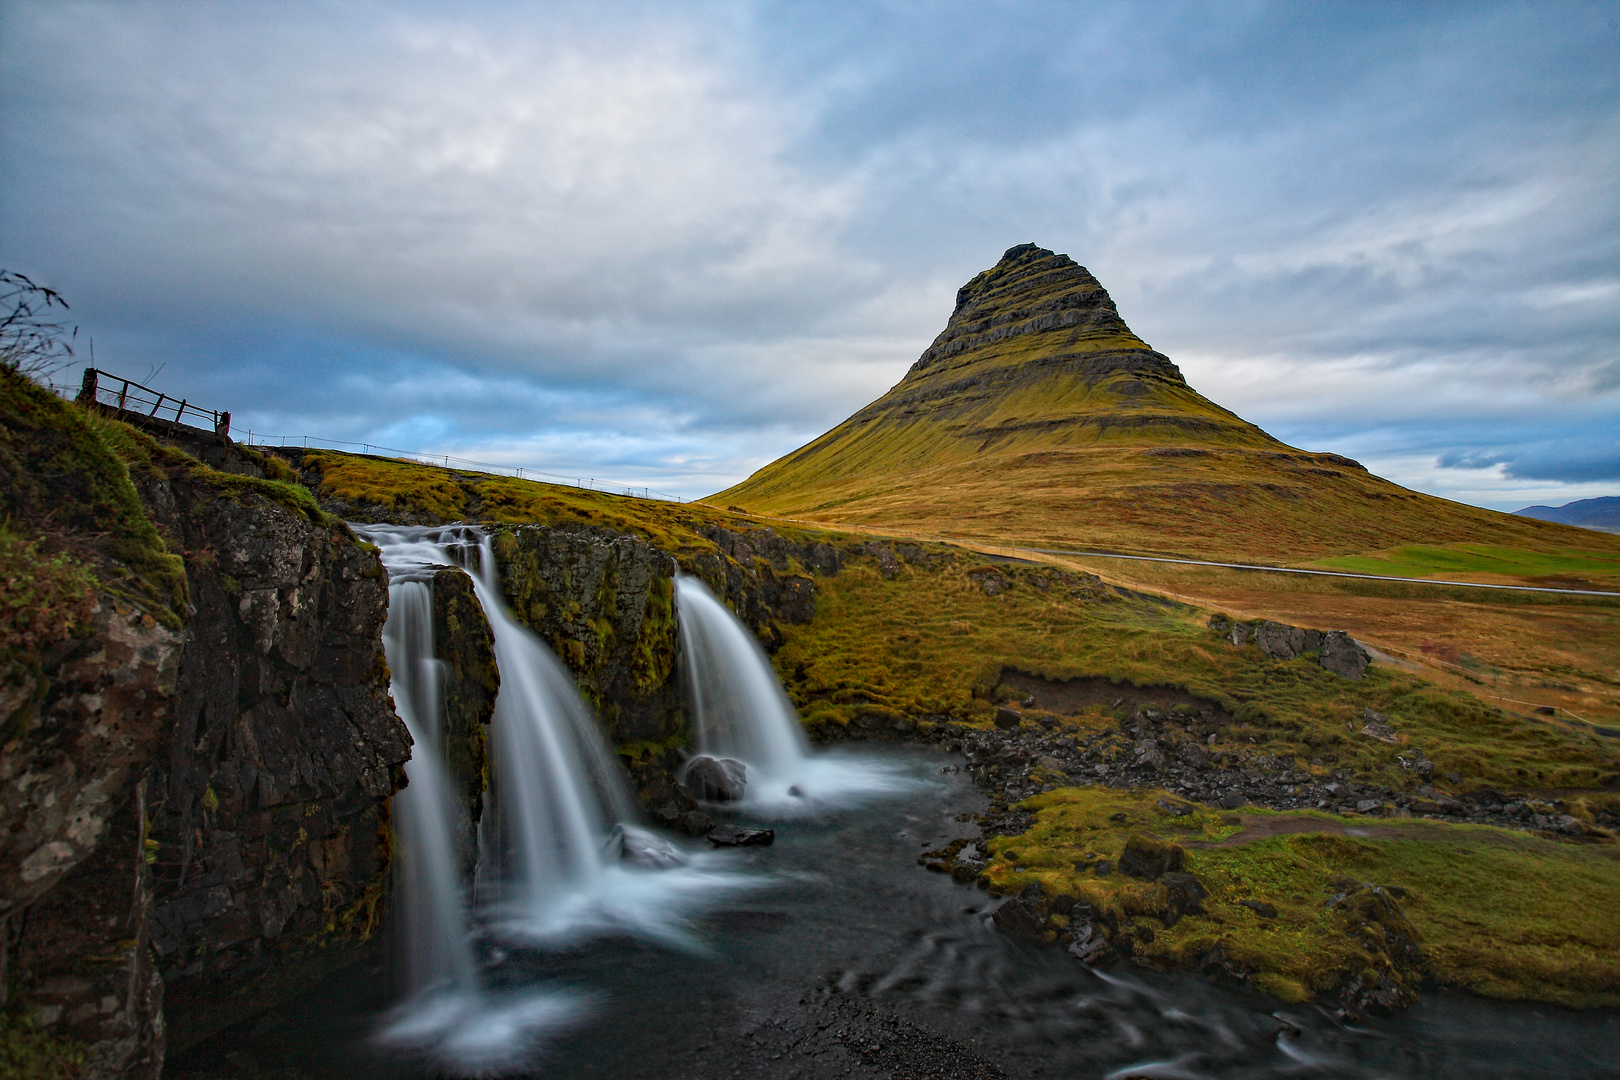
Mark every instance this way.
x=1038 y=417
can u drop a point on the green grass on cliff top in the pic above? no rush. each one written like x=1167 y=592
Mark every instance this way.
x=390 y=485
x=1501 y=913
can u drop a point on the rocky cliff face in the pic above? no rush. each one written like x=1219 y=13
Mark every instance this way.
x=197 y=751
x=284 y=748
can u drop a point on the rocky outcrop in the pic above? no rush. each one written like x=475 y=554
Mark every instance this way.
x=193 y=785
x=605 y=603
x=767 y=579
x=1335 y=650
x=463 y=641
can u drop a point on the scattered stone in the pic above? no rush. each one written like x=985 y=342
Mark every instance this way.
x=715 y=779
x=1380 y=731
x=1178 y=809
x=1008 y=718
x=1343 y=656
x=1149 y=857
x=737 y=836
x=1231 y=801
x=1104 y=868
x=1260 y=908
x=1368 y=806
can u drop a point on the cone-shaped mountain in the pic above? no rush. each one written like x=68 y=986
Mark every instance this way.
x=1037 y=416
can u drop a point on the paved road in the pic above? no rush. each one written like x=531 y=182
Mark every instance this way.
x=1317 y=573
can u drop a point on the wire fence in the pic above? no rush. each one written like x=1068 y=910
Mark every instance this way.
x=261 y=441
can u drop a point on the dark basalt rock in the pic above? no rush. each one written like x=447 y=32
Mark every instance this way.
x=1343 y=656
x=1024 y=916
x=715 y=779
x=200 y=789
x=1279 y=640
x=736 y=836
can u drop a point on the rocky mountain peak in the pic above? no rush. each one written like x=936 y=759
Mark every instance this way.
x=1033 y=291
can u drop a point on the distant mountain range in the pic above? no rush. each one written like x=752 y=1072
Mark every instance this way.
x=1601 y=514
x=1037 y=417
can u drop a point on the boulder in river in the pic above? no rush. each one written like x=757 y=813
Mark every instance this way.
x=715 y=779
x=737 y=836
x=643 y=848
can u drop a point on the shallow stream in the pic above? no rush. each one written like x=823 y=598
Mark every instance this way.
x=846 y=959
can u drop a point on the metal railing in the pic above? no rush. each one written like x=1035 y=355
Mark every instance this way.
x=131 y=396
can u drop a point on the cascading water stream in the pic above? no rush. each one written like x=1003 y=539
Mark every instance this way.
x=741 y=712
x=448 y=1015
x=561 y=856
x=431 y=919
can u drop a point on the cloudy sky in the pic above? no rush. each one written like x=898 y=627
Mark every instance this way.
x=665 y=243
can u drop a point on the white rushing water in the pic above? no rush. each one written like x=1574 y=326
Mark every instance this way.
x=561 y=855
x=447 y=1015
x=741 y=712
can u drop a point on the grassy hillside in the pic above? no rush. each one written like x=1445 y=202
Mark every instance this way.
x=1038 y=417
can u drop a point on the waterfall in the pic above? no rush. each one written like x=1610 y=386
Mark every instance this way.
x=448 y=1016
x=561 y=853
x=741 y=712
x=431 y=920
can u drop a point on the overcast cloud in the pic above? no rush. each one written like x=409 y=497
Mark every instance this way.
x=667 y=243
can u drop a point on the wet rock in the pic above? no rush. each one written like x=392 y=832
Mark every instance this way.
x=737 y=836
x=604 y=602
x=1023 y=916
x=715 y=779
x=1279 y=640
x=696 y=823
x=640 y=847
x=1008 y=718
x=1149 y=857
x=1343 y=656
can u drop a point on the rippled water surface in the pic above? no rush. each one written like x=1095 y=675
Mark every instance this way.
x=847 y=959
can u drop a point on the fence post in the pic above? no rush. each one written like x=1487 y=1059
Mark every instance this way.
x=159 y=405
x=222 y=424
x=179 y=410
x=87 y=388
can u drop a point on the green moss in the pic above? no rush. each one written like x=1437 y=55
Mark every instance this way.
x=653 y=658
x=29 y=1053
x=67 y=482
x=1497 y=912
x=47 y=599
